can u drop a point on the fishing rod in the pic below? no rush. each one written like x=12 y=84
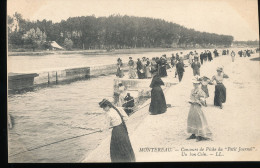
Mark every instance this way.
x=41 y=146
x=98 y=131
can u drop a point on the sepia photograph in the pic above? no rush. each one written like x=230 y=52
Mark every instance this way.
x=108 y=81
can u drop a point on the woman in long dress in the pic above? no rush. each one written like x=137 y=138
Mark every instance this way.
x=158 y=102
x=139 y=67
x=119 y=72
x=197 y=123
x=131 y=65
x=220 y=89
x=120 y=146
x=148 y=68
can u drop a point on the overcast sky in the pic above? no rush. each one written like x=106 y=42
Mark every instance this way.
x=238 y=18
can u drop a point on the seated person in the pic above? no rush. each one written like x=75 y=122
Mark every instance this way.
x=129 y=104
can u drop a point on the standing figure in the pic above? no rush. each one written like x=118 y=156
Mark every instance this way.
x=131 y=65
x=163 y=71
x=220 y=90
x=144 y=67
x=120 y=146
x=154 y=66
x=119 y=91
x=210 y=56
x=240 y=53
x=196 y=54
x=197 y=124
x=233 y=54
x=201 y=57
x=248 y=53
x=173 y=60
x=205 y=56
x=148 y=68
x=180 y=69
x=176 y=61
x=158 y=102
x=191 y=57
x=139 y=67
x=215 y=53
x=196 y=67
x=119 y=72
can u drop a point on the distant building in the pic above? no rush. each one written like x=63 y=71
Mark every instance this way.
x=52 y=45
x=56 y=46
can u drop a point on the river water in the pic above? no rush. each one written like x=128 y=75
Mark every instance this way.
x=59 y=112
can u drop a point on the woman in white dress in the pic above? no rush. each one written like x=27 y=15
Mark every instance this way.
x=197 y=124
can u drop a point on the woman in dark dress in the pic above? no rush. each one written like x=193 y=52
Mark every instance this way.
x=139 y=67
x=163 y=71
x=220 y=89
x=158 y=102
x=120 y=146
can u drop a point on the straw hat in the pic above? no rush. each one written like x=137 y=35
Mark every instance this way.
x=103 y=103
x=196 y=79
x=203 y=78
x=220 y=69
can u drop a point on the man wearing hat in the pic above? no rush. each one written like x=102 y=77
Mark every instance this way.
x=180 y=69
x=196 y=67
x=131 y=65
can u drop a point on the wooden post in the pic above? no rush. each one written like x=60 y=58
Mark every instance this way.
x=56 y=77
x=48 y=78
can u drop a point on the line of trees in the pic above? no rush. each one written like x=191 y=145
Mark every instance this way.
x=115 y=31
x=246 y=43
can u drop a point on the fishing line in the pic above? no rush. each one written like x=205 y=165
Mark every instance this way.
x=41 y=146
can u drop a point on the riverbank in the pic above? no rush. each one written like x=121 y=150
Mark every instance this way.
x=116 y=51
x=102 y=52
x=235 y=127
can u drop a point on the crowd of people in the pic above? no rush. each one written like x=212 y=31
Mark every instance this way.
x=197 y=126
x=245 y=53
x=143 y=68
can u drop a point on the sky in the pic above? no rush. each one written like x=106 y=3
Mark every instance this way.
x=238 y=18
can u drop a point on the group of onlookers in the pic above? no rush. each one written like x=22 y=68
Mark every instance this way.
x=245 y=53
x=120 y=146
x=143 y=68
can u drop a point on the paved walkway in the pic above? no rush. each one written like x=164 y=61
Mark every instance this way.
x=235 y=126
